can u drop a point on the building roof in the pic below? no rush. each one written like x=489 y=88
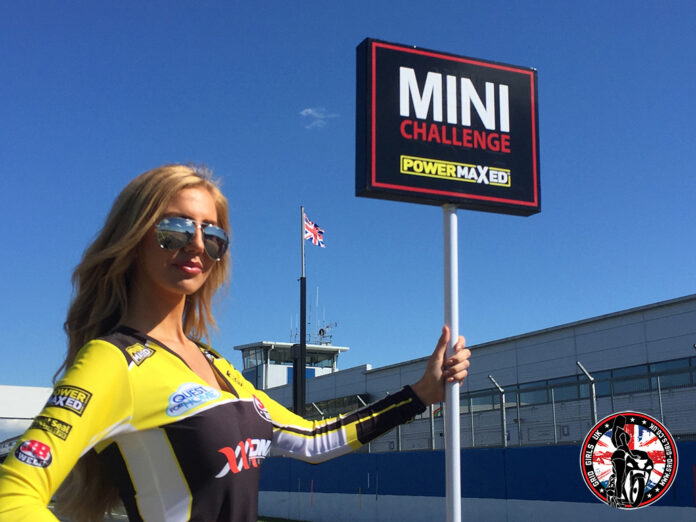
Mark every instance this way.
x=321 y=348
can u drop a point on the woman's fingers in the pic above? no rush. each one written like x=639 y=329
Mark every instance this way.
x=456 y=367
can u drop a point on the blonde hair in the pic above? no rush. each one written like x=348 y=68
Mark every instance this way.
x=100 y=290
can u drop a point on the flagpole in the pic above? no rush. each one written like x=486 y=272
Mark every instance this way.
x=302 y=240
x=452 y=445
x=300 y=360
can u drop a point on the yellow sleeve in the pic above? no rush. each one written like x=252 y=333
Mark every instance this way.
x=91 y=403
x=317 y=441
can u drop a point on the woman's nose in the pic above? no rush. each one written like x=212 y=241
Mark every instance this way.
x=196 y=244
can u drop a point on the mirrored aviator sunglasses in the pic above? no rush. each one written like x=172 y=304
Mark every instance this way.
x=177 y=232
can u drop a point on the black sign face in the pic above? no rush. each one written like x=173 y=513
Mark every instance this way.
x=437 y=128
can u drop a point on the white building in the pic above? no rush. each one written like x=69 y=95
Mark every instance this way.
x=18 y=406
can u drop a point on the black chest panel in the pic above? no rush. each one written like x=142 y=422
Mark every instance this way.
x=219 y=453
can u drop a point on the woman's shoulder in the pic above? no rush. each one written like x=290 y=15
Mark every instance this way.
x=109 y=351
x=97 y=366
x=132 y=345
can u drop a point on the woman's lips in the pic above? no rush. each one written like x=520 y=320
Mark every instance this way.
x=190 y=267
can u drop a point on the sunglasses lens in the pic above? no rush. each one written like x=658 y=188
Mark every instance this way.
x=176 y=232
x=173 y=233
x=215 y=240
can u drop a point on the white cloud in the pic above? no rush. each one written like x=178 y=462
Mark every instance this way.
x=317 y=116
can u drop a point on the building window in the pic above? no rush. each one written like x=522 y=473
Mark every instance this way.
x=641 y=369
x=668 y=366
x=532 y=394
x=673 y=374
x=565 y=388
x=602 y=384
x=482 y=402
x=633 y=379
x=253 y=357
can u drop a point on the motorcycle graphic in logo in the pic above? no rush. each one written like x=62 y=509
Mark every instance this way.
x=628 y=460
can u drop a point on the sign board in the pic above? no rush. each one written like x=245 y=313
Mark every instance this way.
x=437 y=128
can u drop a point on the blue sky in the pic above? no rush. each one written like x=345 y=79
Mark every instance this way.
x=264 y=94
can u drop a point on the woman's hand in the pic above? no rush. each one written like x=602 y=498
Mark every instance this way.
x=431 y=387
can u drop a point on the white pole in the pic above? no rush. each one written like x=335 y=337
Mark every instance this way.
x=452 y=445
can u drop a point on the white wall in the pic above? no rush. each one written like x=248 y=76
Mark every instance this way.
x=18 y=405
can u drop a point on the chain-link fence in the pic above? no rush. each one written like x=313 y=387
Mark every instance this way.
x=559 y=411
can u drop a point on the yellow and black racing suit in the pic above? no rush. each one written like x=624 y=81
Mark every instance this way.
x=177 y=448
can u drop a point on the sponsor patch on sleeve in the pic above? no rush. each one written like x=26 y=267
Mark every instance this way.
x=70 y=398
x=138 y=353
x=261 y=409
x=53 y=426
x=34 y=453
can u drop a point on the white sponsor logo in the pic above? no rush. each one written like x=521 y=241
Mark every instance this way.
x=245 y=455
x=188 y=396
x=139 y=353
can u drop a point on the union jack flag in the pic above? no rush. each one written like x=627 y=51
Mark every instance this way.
x=314 y=232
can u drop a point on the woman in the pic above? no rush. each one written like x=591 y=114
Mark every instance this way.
x=146 y=411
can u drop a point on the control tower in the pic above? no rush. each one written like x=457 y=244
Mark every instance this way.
x=269 y=364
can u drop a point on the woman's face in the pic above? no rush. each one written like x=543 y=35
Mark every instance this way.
x=175 y=273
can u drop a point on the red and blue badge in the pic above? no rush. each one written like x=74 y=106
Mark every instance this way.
x=261 y=409
x=34 y=453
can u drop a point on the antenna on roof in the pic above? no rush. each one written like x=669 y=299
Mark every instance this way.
x=324 y=331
